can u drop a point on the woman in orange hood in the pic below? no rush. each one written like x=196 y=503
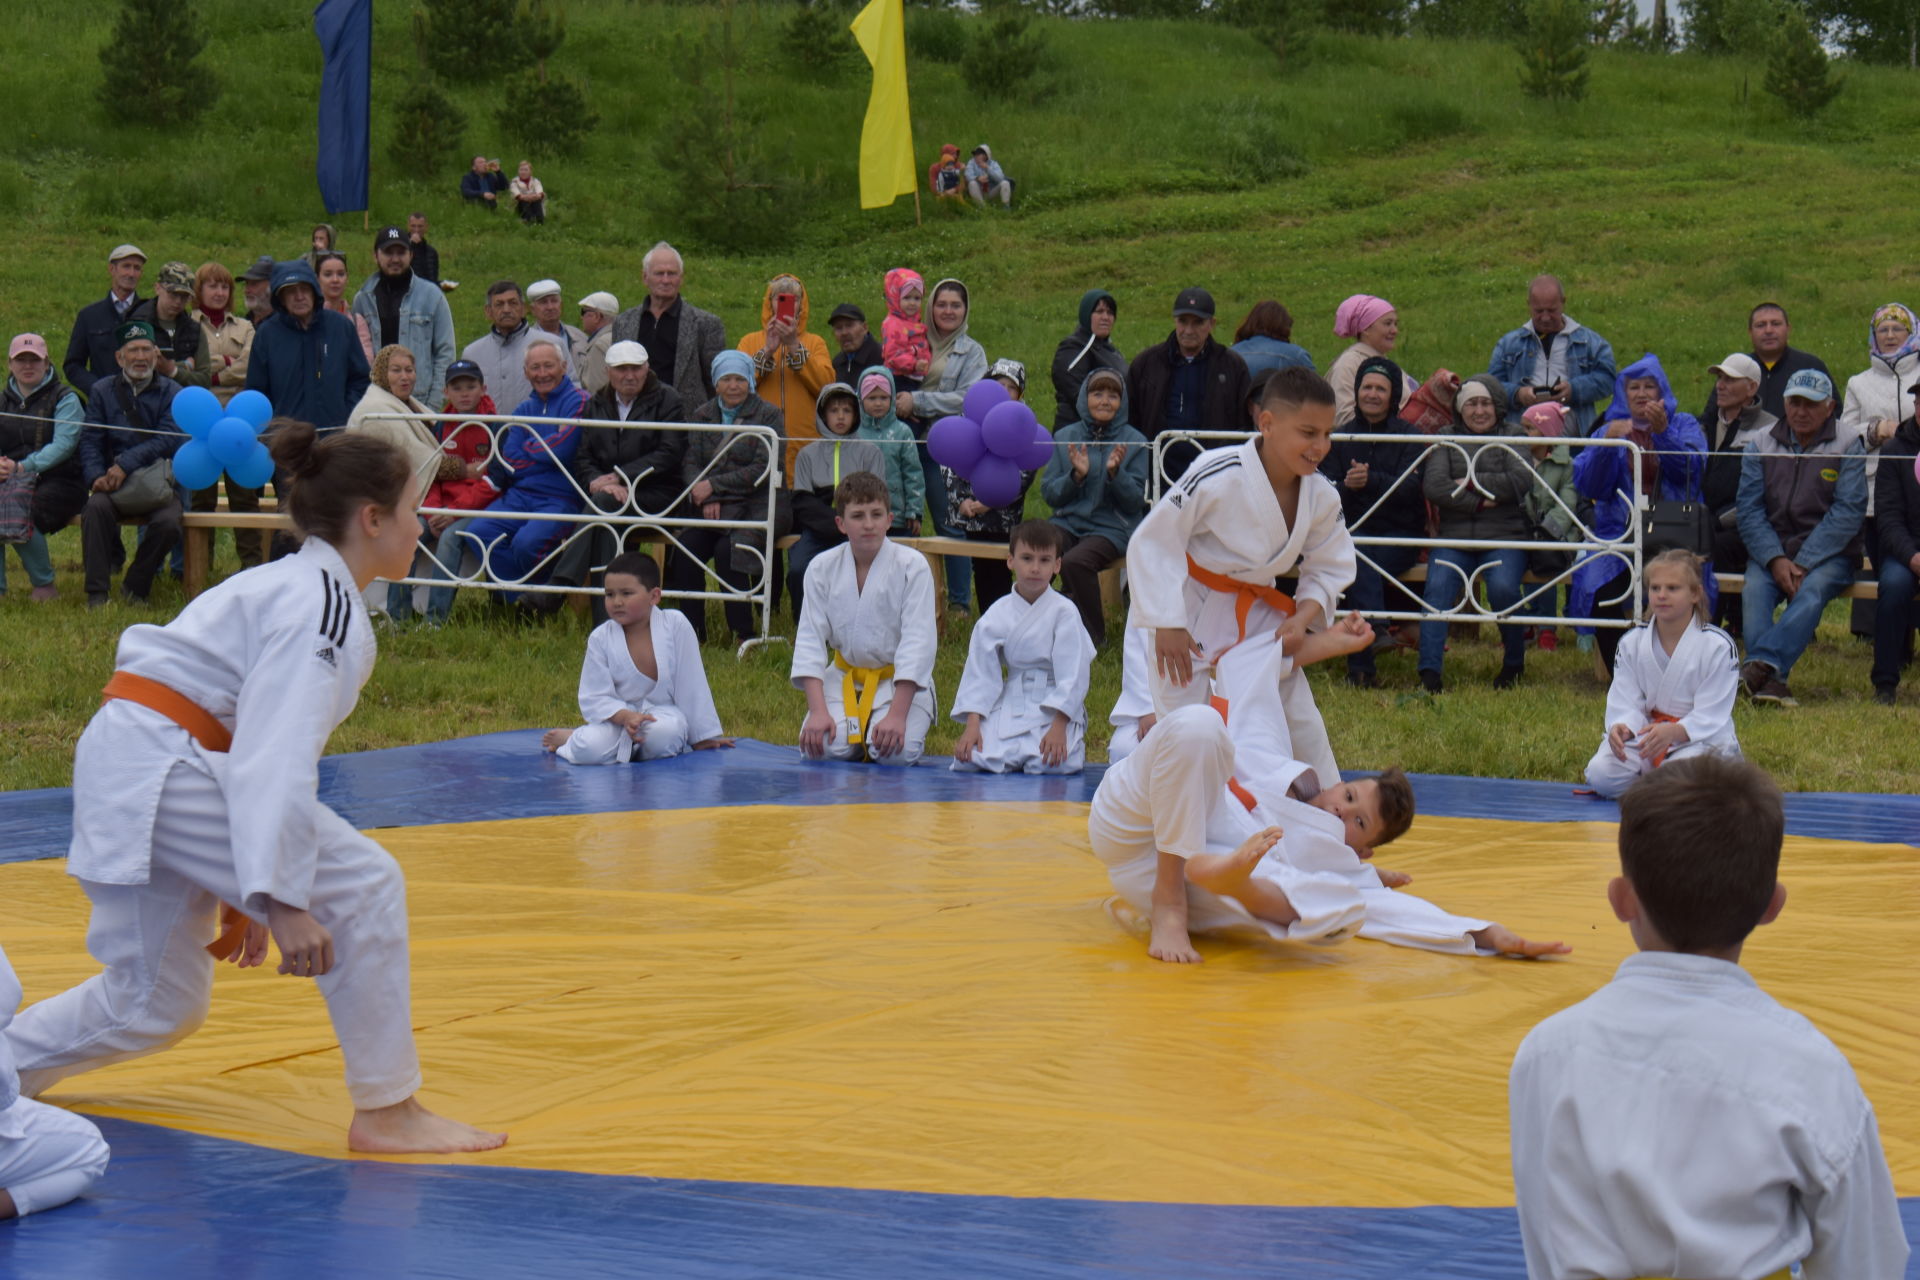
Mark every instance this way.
x=790 y=365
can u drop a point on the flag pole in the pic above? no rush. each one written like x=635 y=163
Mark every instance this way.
x=916 y=204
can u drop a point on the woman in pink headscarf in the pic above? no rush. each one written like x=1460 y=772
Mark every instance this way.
x=1374 y=326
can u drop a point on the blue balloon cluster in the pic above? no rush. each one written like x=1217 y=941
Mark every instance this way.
x=222 y=439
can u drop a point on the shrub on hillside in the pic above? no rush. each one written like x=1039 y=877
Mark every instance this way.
x=150 y=59
x=466 y=41
x=936 y=34
x=429 y=132
x=1797 y=70
x=816 y=40
x=1553 y=52
x=1284 y=28
x=1005 y=57
x=547 y=116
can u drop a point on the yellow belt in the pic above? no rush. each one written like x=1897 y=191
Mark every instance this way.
x=858 y=688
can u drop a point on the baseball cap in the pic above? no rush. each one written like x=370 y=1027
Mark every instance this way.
x=132 y=331
x=601 y=301
x=27 y=342
x=176 y=277
x=1737 y=365
x=1012 y=370
x=463 y=369
x=542 y=289
x=625 y=353
x=1194 y=302
x=1809 y=384
x=262 y=269
x=847 y=311
x=126 y=251
x=390 y=235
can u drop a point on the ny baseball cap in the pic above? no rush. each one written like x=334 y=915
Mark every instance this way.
x=391 y=235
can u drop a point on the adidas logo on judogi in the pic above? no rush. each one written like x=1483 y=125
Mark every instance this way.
x=326 y=654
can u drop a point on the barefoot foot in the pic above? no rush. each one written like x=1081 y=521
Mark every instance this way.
x=408 y=1127
x=1227 y=873
x=554 y=739
x=1170 y=943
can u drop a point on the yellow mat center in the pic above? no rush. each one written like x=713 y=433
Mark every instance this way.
x=937 y=997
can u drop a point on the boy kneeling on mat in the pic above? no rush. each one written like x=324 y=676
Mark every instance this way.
x=863 y=654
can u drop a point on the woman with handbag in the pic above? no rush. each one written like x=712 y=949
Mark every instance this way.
x=125 y=454
x=40 y=485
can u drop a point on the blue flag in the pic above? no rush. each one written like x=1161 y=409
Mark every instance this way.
x=345 y=28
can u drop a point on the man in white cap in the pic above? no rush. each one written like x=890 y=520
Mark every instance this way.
x=1735 y=420
x=543 y=301
x=92 y=348
x=597 y=312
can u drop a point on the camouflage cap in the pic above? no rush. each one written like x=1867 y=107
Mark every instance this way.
x=176 y=277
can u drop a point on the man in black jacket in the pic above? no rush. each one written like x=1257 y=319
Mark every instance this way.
x=858 y=351
x=1896 y=502
x=1767 y=326
x=1188 y=383
x=90 y=351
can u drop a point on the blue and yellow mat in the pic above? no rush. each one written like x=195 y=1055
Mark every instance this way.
x=745 y=1015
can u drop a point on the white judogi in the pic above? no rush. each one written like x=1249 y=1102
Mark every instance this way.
x=679 y=701
x=1680 y=1122
x=165 y=830
x=1048 y=658
x=47 y=1156
x=1696 y=685
x=887 y=627
x=1170 y=795
x=1223 y=514
x=1135 y=702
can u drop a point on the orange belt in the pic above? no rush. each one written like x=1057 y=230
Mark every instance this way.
x=1244 y=593
x=1661 y=717
x=1240 y=793
x=209 y=733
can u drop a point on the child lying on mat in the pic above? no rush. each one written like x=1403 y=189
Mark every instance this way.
x=1210 y=824
x=643 y=692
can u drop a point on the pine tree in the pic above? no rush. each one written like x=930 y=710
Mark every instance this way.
x=149 y=60
x=1553 y=53
x=468 y=40
x=1797 y=70
x=428 y=131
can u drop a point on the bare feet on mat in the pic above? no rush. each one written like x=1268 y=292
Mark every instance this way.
x=554 y=739
x=1170 y=942
x=1508 y=943
x=1227 y=873
x=407 y=1127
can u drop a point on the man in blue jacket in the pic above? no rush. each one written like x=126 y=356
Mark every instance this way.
x=307 y=360
x=90 y=351
x=129 y=428
x=1553 y=357
x=400 y=306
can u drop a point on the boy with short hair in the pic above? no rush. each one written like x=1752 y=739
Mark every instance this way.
x=1034 y=718
x=864 y=651
x=643 y=692
x=1679 y=1122
x=1201 y=566
x=817 y=472
x=1212 y=824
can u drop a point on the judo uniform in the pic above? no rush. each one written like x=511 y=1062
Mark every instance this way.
x=1680 y=1122
x=1171 y=794
x=1695 y=685
x=679 y=700
x=47 y=1156
x=1222 y=520
x=1048 y=658
x=1135 y=702
x=165 y=830
x=858 y=642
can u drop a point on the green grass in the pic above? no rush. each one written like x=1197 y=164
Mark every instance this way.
x=1160 y=155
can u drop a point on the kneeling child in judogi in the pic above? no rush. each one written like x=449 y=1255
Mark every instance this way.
x=643 y=692
x=47 y=1155
x=1032 y=719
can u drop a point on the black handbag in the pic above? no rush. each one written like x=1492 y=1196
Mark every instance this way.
x=1675 y=522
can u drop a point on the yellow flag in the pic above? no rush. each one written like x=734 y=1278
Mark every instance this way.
x=886 y=139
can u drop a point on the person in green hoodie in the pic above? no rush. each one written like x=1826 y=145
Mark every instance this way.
x=906 y=485
x=1097 y=487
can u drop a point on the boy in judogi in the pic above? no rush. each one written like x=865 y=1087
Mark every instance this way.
x=1132 y=715
x=1032 y=719
x=1679 y=1122
x=643 y=692
x=1202 y=564
x=864 y=651
x=1211 y=825
x=47 y=1155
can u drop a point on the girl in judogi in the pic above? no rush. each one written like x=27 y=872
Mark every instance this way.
x=1132 y=716
x=196 y=784
x=863 y=654
x=1203 y=563
x=1032 y=719
x=643 y=692
x=1675 y=678
x=1212 y=825
x=47 y=1156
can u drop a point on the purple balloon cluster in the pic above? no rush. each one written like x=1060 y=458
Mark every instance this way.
x=222 y=439
x=990 y=442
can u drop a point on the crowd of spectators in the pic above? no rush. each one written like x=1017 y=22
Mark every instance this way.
x=1785 y=465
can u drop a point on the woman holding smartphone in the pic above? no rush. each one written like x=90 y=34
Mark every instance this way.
x=791 y=366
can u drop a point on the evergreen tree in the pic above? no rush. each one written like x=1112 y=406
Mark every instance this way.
x=1797 y=70
x=1885 y=31
x=1005 y=56
x=1553 y=53
x=468 y=40
x=428 y=131
x=152 y=77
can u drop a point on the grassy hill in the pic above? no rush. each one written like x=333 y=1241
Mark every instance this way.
x=1156 y=155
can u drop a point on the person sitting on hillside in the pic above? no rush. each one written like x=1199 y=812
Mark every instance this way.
x=483 y=183
x=529 y=195
x=947 y=177
x=984 y=179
